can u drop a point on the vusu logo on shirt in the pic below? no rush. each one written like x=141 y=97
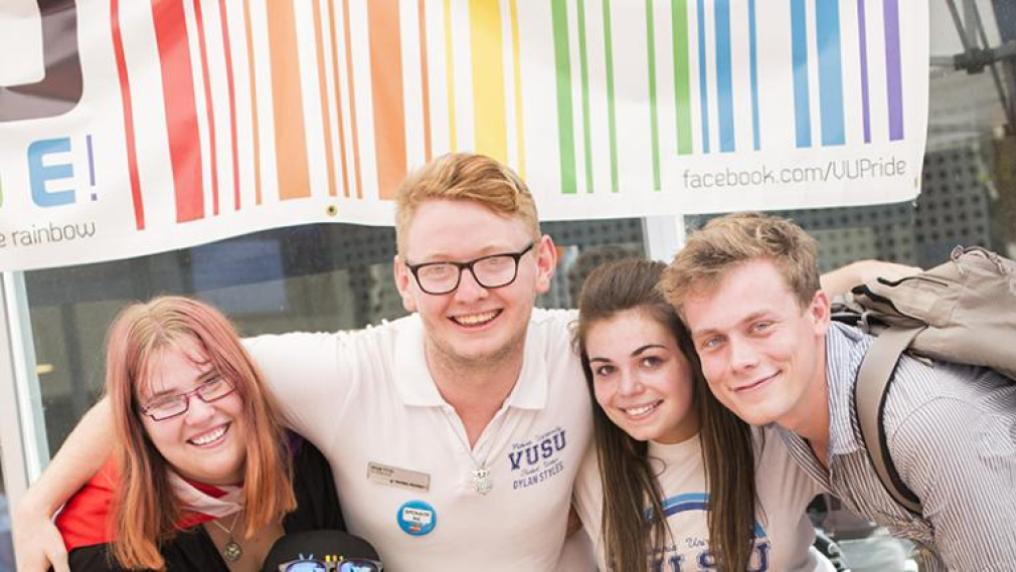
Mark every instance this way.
x=536 y=460
x=689 y=551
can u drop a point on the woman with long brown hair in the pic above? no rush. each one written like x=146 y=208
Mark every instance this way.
x=676 y=481
x=203 y=477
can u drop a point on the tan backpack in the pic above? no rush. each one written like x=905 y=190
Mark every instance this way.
x=962 y=311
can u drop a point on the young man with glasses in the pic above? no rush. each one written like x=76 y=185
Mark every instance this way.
x=455 y=433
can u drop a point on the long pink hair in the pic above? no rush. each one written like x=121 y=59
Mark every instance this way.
x=147 y=512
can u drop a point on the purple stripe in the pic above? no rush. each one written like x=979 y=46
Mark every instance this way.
x=865 y=102
x=894 y=81
x=91 y=160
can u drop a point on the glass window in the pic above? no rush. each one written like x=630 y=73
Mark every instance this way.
x=314 y=277
x=6 y=546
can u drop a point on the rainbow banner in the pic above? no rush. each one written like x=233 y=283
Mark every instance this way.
x=133 y=127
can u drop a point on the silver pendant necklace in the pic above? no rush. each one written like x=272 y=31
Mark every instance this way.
x=482 y=483
x=481 y=479
x=232 y=551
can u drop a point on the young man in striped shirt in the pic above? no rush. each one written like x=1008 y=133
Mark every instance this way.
x=747 y=285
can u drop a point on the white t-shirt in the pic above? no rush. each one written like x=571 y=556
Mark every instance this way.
x=784 y=535
x=367 y=398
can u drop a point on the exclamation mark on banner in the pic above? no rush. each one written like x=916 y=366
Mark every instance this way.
x=91 y=166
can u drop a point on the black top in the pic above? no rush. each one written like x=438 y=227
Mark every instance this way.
x=193 y=550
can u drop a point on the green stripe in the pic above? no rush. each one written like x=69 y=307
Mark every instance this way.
x=565 y=128
x=608 y=48
x=581 y=13
x=653 y=116
x=682 y=75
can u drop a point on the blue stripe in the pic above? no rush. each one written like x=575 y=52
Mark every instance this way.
x=693 y=501
x=724 y=85
x=799 y=54
x=753 y=43
x=703 y=87
x=830 y=71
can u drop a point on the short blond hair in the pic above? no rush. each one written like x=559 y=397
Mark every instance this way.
x=731 y=240
x=464 y=177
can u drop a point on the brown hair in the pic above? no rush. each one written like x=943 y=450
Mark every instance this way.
x=147 y=511
x=464 y=177
x=629 y=481
x=730 y=240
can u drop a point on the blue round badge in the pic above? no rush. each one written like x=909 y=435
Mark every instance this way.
x=416 y=518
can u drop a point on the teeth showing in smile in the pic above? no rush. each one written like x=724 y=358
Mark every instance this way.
x=210 y=437
x=642 y=410
x=475 y=319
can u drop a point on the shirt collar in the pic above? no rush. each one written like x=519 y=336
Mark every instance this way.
x=845 y=348
x=416 y=386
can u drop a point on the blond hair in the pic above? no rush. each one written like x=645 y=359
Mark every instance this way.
x=464 y=177
x=731 y=240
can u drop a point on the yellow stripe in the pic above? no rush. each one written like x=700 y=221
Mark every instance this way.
x=453 y=144
x=488 y=79
x=520 y=140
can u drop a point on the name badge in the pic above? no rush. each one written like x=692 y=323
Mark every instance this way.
x=396 y=477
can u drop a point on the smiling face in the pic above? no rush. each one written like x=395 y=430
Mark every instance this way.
x=761 y=352
x=207 y=442
x=473 y=326
x=641 y=378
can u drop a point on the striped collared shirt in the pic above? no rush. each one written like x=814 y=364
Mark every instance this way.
x=951 y=431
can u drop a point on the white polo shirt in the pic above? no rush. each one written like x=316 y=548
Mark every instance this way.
x=367 y=398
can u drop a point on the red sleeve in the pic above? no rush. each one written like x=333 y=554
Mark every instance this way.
x=87 y=518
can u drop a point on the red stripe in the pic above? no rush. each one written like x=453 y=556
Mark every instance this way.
x=181 y=108
x=128 y=116
x=213 y=159
x=228 y=50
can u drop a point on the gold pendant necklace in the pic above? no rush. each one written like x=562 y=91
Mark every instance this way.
x=232 y=551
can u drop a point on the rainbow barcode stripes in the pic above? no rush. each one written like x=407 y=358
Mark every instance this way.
x=266 y=102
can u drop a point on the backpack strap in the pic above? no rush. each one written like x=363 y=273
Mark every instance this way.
x=870 y=393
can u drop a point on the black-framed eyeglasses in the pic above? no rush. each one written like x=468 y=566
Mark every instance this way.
x=331 y=565
x=168 y=406
x=491 y=271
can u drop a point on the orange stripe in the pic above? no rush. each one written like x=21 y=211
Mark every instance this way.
x=287 y=103
x=227 y=49
x=253 y=103
x=323 y=93
x=352 y=100
x=389 y=106
x=425 y=76
x=338 y=101
x=213 y=158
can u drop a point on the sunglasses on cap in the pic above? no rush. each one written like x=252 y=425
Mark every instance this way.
x=331 y=564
